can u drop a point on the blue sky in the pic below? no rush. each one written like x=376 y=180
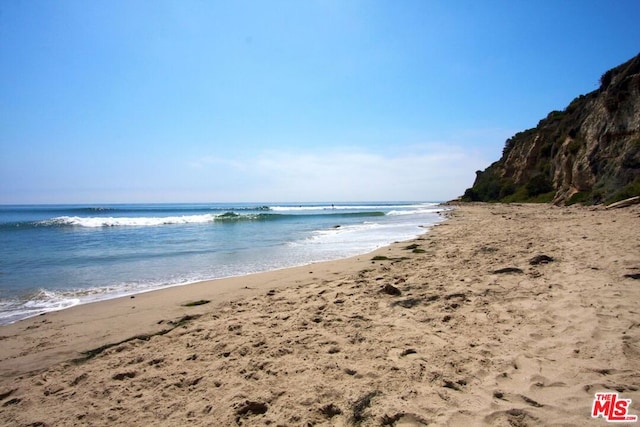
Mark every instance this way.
x=318 y=100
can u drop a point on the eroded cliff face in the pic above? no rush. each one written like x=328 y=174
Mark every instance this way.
x=590 y=152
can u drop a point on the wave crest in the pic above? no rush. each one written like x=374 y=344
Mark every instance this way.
x=93 y=222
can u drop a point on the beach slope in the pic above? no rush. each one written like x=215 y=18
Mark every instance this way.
x=501 y=315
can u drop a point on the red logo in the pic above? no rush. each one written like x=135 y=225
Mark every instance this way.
x=612 y=408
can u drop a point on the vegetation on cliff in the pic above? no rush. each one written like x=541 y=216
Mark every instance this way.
x=587 y=153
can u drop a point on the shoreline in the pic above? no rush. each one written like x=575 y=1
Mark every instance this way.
x=110 y=283
x=466 y=324
x=84 y=323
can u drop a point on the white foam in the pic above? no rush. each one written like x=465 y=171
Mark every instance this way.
x=415 y=211
x=40 y=302
x=369 y=235
x=93 y=222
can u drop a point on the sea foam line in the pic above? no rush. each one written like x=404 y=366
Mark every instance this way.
x=127 y=221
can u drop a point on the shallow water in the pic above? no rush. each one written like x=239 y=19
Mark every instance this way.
x=57 y=256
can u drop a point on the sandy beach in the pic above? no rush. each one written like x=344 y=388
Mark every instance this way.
x=501 y=315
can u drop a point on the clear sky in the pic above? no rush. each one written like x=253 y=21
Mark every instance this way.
x=270 y=100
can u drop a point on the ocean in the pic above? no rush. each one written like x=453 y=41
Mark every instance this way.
x=57 y=256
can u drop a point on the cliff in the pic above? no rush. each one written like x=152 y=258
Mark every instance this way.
x=588 y=153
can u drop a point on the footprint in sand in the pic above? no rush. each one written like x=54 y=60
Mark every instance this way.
x=397 y=354
x=511 y=417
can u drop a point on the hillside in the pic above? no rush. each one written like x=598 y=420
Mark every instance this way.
x=589 y=152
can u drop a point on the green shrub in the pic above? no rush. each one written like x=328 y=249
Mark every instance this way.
x=583 y=197
x=507 y=188
x=508 y=146
x=555 y=115
x=470 y=195
x=605 y=79
x=574 y=146
x=575 y=104
x=539 y=184
x=520 y=195
x=543 y=197
x=630 y=190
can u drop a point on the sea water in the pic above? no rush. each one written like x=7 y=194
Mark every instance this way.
x=57 y=256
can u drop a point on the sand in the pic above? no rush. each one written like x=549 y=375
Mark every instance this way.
x=454 y=328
